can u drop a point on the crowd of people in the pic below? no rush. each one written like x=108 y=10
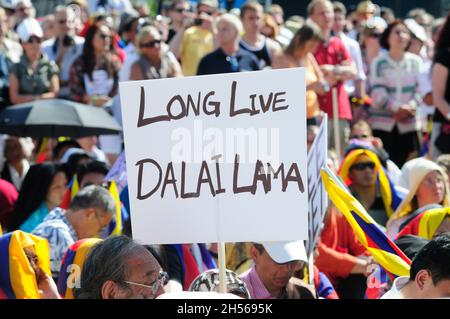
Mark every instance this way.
x=383 y=81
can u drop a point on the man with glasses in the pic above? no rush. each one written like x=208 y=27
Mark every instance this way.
x=90 y=211
x=197 y=40
x=275 y=263
x=179 y=14
x=119 y=268
x=65 y=47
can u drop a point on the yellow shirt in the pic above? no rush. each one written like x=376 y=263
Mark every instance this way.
x=197 y=42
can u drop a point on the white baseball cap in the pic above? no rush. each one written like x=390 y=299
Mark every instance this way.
x=416 y=29
x=29 y=27
x=286 y=251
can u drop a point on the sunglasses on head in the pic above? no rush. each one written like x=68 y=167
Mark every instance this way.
x=363 y=165
x=150 y=44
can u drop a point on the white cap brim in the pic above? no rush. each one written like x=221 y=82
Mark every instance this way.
x=286 y=251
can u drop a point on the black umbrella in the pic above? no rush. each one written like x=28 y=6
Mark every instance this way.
x=56 y=117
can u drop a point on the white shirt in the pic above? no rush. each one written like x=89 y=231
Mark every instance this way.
x=395 y=292
x=16 y=179
x=355 y=52
x=125 y=71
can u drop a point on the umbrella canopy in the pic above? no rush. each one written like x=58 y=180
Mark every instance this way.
x=56 y=117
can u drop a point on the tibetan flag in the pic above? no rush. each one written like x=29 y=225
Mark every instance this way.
x=385 y=252
x=17 y=277
x=72 y=190
x=72 y=265
x=426 y=223
x=117 y=230
x=390 y=196
x=41 y=157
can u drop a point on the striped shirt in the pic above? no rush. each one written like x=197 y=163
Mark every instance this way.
x=394 y=84
x=254 y=285
x=60 y=235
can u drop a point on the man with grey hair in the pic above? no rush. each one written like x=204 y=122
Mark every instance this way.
x=119 y=268
x=65 y=47
x=89 y=212
x=229 y=57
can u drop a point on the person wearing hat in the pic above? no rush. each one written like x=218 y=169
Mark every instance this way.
x=65 y=47
x=24 y=9
x=427 y=189
x=271 y=276
x=193 y=43
x=34 y=77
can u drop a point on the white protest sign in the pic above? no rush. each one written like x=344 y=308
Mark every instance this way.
x=217 y=158
x=317 y=196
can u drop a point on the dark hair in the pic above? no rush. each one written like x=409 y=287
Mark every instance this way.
x=91 y=166
x=384 y=39
x=259 y=247
x=309 y=31
x=88 y=55
x=443 y=42
x=64 y=144
x=435 y=258
x=106 y=261
x=33 y=192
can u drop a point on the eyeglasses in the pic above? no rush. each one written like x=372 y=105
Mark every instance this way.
x=363 y=165
x=359 y=136
x=205 y=12
x=102 y=227
x=154 y=286
x=292 y=265
x=104 y=36
x=150 y=44
x=375 y=35
x=34 y=39
x=180 y=10
x=62 y=21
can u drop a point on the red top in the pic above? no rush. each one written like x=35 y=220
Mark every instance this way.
x=334 y=53
x=338 y=248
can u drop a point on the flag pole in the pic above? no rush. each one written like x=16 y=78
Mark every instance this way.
x=337 y=138
x=222 y=269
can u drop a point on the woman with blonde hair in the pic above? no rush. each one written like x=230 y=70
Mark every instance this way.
x=155 y=60
x=428 y=189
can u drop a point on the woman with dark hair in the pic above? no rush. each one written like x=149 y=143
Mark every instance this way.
x=94 y=74
x=440 y=136
x=299 y=53
x=395 y=95
x=42 y=190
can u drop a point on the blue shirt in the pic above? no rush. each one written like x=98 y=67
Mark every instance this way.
x=219 y=62
x=60 y=235
x=35 y=218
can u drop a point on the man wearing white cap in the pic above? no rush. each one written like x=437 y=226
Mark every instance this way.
x=271 y=277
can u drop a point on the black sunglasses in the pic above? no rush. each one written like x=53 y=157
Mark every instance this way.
x=34 y=39
x=363 y=165
x=150 y=44
x=359 y=136
x=180 y=10
x=375 y=35
x=104 y=36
